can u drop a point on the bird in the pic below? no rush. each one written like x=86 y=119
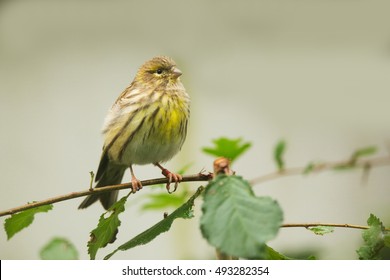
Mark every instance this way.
x=147 y=124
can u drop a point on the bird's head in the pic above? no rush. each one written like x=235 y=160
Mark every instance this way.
x=159 y=70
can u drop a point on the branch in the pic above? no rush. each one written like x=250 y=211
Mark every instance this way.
x=320 y=167
x=309 y=225
x=365 y=164
x=189 y=178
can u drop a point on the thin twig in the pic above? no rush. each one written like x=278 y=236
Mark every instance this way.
x=189 y=178
x=319 y=167
x=309 y=225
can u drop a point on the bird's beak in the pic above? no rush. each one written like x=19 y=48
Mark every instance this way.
x=176 y=72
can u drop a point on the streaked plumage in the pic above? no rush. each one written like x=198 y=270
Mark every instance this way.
x=147 y=124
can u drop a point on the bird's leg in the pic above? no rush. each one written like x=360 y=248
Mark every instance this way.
x=135 y=183
x=172 y=177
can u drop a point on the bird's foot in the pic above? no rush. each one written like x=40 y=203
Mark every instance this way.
x=135 y=184
x=172 y=177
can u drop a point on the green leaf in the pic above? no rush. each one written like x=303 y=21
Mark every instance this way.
x=278 y=154
x=237 y=222
x=375 y=238
x=321 y=230
x=228 y=148
x=59 y=249
x=351 y=163
x=366 y=151
x=271 y=254
x=163 y=200
x=107 y=228
x=309 y=168
x=19 y=221
x=185 y=211
x=387 y=239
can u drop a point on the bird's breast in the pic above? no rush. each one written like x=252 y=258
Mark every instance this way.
x=154 y=132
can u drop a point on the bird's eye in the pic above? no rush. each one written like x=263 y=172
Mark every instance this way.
x=159 y=71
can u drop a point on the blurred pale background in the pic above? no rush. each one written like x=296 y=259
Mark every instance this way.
x=315 y=73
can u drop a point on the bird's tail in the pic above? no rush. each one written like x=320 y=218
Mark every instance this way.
x=108 y=174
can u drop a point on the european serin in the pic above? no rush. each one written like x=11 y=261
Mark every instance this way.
x=146 y=124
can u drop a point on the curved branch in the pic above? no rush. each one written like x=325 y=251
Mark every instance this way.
x=189 y=178
x=365 y=164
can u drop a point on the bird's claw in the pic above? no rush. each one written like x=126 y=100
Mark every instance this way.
x=135 y=185
x=172 y=177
